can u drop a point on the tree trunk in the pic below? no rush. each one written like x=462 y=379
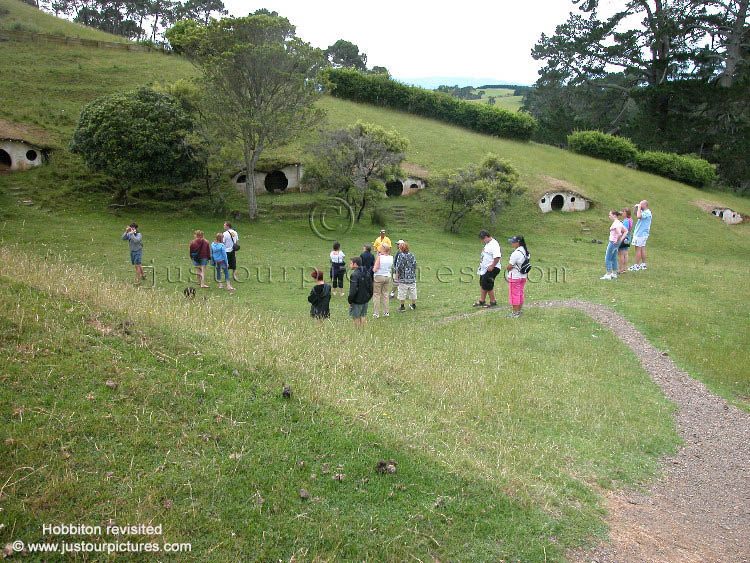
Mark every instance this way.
x=251 y=159
x=734 y=47
x=361 y=209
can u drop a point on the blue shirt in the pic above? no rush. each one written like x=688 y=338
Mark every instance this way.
x=643 y=227
x=218 y=252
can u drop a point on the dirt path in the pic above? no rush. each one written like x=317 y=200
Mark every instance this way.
x=700 y=509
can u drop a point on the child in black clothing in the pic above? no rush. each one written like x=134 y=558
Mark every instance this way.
x=320 y=297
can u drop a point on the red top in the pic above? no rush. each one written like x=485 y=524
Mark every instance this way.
x=200 y=245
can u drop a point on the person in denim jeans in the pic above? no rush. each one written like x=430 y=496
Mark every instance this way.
x=219 y=260
x=617 y=233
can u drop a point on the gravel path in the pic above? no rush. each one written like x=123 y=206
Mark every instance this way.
x=700 y=509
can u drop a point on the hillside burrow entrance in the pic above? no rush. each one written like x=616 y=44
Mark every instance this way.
x=276 y=181
x=5 y=162
x=394 y=188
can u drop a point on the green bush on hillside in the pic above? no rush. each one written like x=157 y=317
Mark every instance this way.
x=380 y=90
x=686 y=169
x=601 y=145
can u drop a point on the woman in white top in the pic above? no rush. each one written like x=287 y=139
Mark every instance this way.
x=517 y=279
x=338 y=268
x=382 y=271
x=617 y=232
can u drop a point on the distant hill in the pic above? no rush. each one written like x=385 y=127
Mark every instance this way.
x=432 y=82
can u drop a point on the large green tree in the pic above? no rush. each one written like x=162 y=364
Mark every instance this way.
x=265 y=78
x=483 y=189
x=345 y=54
x=136 y=137
x=354 y=162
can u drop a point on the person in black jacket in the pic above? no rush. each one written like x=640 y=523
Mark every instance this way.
x=368 y=259
x=320 y=297
x=360 y=291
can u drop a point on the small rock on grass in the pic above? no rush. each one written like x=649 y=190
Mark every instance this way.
x=287 y=392
x=111 y=384
x=303 y=494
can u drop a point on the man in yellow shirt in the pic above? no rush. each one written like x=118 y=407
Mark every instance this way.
x=382 y=239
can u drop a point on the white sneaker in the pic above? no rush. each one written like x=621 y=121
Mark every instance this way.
x=375 y=316
x=613 y=275
x=634 y=268
x=643 y=267
x=386 y=314
x=606 y=277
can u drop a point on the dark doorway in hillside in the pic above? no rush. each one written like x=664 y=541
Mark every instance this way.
x=394 y=189
x=276 y=181
x=557 y=202
x=241 y=179
x=5 y=161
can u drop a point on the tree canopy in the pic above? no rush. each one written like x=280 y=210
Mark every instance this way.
x=136 y=137
x=263 y=78
x=354 y=162
x=344 y=54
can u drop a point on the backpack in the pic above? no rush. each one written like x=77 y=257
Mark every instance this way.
x=526 y=266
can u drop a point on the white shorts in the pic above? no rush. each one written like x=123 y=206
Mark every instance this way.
x=407 y=291
x=640 y=241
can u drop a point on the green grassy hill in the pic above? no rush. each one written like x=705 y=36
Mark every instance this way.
x=505 y=432
x=504 y=98
x=17 y=16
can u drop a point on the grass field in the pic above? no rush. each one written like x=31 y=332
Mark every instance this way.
x=505 y=432
x=504 y=98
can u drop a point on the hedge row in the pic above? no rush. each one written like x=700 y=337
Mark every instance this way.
x=601 y=145
x=689 y=170
x=380 y=90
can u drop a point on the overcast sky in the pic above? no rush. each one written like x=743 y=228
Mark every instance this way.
x=415 y=38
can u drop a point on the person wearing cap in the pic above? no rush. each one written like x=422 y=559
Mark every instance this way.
x=405 y=271
x=394 y=282
x=516 y=279
x=640 y=235
x=382 y=239
x=488 y=269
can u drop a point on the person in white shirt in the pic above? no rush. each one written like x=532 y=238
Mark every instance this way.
x=617 y=232
x=230 y=242
x=488 y=269
x=517 y=279
x=640 y=235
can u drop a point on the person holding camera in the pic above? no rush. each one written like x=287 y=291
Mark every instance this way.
x=135 y=241
x=517 y=277
x=617 y=232
x=640 y=235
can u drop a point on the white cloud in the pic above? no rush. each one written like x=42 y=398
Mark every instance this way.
x=415 y=39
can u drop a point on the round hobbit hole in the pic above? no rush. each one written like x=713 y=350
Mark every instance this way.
x=394 y=189
x=276 y=181
x=557 y=202
x=414 y=187
x=5 y=161
x=242 y=178
x=721 y=214
x=31 y=154
x=572 y=199
x=544 y=200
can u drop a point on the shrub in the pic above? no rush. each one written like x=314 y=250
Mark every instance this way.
x=686 y=169
x=380 y=90
x=601 y=145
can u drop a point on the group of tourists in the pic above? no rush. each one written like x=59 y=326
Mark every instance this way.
x=622 y=235
x=377 y=277
x=381 y=276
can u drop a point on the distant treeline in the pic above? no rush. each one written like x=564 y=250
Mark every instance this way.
x=382 y=91
x=517 y=90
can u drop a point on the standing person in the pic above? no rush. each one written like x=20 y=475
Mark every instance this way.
x=640 y=235
x=617 y=232
x=135 y=242
x=230 y=239
x=219 y=260
x=368 y=258
x=360 y=291
x=405 y=271
x=338 y=268
x=622 y=252
x=488 y=269
x=200 y=253
x=517 y=279
x=381 y=277
x=380 y=240
x=320 y=297
x=394 y=285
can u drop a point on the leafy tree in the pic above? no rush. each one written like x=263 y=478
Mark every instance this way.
x=344 y=54
x=380 y=70
x=135 y=137
x=354 y=162
x=483 y=189
x=264 y=77
x=202 y=10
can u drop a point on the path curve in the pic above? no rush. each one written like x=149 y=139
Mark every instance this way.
x=699 y=510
